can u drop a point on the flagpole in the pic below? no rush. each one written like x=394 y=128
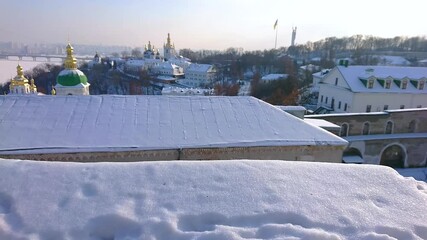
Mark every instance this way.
x=275 y=43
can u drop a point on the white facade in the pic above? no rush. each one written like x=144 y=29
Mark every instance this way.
x=373 y=88
x=317 y=78
x=139 y=65
x=168 y=69
x=79 y=89
x=199 y=75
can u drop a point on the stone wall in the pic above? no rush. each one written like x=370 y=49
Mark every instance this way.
x=292 y=153
x=378 y=121
x=409 y=132
x=415 y=150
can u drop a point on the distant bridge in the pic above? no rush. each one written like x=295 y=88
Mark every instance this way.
x=38 y=57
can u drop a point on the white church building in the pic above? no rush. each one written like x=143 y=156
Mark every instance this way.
x=353 y=89
x=19 y=85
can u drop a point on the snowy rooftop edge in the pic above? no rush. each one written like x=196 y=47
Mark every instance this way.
x=386 y=112
x=105 y=122
x=386 y=136
x=353 y=73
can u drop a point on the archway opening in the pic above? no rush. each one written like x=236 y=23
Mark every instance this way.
x=352 y=155
x=393 y=156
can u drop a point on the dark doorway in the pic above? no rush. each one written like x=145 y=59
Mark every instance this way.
x=393 y=156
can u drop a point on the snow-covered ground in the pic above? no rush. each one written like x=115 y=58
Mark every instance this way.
x=209 y=200
x=8 y=68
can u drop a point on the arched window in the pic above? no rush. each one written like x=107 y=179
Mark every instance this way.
x=365 y=130
x=412 y=126
x=344 y=130
x=393 y=156
x=389 y=127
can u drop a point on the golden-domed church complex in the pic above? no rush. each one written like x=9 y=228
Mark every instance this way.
x=19 y=84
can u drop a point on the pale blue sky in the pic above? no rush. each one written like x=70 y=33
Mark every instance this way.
x=215 y=24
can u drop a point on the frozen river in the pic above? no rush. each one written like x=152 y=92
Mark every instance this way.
x=8 y=67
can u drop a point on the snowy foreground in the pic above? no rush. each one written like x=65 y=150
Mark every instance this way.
x=209 y=200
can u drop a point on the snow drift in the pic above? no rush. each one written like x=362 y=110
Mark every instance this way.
x=209 y=200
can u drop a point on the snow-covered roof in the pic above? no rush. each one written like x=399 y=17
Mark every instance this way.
x=180 y=59
x=135 y=62
x=385 y=136
x=165 y=78
x=353 y=75
x=321 y=74
x=406 y=110
x=274 y=76
x=186 y=91
x=102 y=122
x=386 y=112
x=201 y=68
x=392 y=60
x=291 y=108
x=309 y=67
x=214 y=200
x=71 y=72
x=345 y=114
x=297 y=111
x=322 y=124
x=167 y=65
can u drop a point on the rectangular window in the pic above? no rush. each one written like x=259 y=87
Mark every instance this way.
x=321 y=98
x=345 y=107
x=326 y=101
x=404 y=84
x=421 y=85
x=402 y=106
x=339 y=105
x=387 y=84
x=385 y=107
x=368 y=108
x=336 y=81
x=371 y=83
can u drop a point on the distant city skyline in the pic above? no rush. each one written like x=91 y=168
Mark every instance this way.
x=205 y=24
